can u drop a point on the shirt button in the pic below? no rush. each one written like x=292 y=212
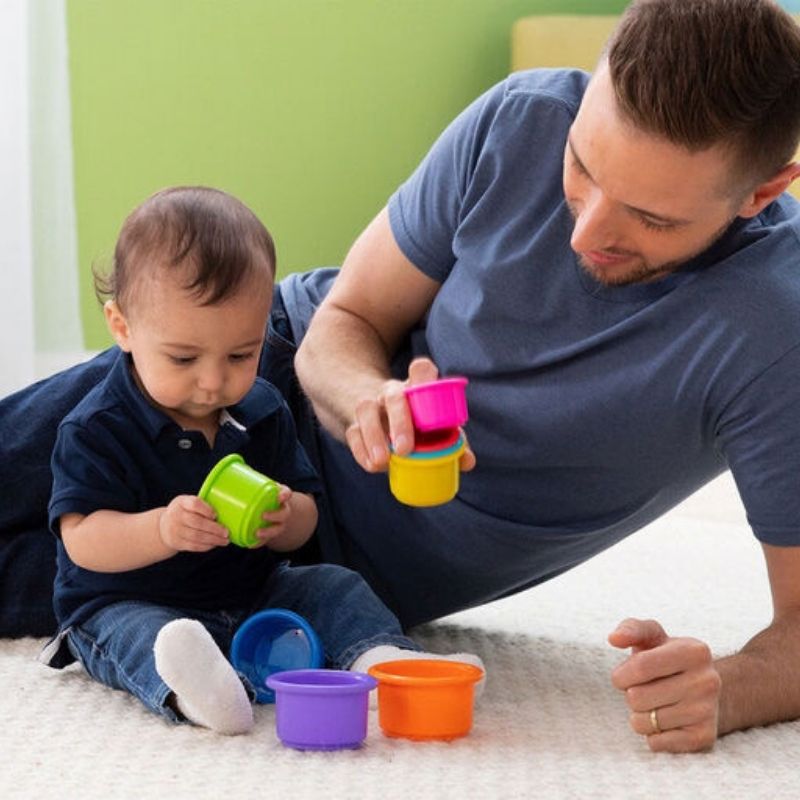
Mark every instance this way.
x=185 y=444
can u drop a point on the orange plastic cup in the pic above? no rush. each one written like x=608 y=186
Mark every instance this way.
x=425 y=698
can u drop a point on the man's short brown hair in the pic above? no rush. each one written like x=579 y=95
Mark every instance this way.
x=706 y=72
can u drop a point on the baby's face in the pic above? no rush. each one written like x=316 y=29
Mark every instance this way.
x=192 y=360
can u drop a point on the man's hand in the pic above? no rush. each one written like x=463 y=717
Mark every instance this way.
x=380 y=419
x=387 y=417
x=676 y=678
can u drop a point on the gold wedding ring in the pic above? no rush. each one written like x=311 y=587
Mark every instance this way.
x=654 y=721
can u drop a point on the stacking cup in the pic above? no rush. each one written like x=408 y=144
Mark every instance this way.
x=239 y=495
x=426 y=478
x=272 y=641
x=438 y=404
x=426 y=698
x=321 y=709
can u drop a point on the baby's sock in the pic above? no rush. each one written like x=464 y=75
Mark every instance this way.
x=388 y=652
x=207 y=689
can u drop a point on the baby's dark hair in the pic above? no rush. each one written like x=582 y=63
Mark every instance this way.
x=215 y=239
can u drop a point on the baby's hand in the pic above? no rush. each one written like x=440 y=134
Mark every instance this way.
x=279 y=518
x=188 y=524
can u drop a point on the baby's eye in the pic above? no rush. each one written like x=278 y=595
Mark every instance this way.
x=182 y=360
x=242 y=356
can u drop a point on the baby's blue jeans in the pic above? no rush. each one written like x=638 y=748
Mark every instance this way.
x=115 y=645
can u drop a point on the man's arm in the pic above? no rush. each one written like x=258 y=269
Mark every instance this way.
x=696 y=698
x=343 y=361
x=761 y=683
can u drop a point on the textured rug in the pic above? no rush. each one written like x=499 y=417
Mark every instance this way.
x=549 y=725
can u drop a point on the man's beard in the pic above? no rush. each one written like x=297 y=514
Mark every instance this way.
x=643 y=271
x=639 y=273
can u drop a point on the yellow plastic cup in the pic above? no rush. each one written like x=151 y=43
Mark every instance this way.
x=425 y=698
x=240 y=495
x=426 y=479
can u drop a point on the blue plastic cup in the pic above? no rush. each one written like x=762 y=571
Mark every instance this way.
x=274 y=640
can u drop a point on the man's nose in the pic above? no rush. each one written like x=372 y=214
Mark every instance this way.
x=594 y=225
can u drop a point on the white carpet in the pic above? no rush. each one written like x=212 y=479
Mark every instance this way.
x=550 y=724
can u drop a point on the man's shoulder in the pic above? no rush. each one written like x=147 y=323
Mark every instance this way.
x=526 y=97
x=562 y=86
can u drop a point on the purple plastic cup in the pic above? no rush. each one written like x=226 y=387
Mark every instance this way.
x=321 y=709
x=438 y=404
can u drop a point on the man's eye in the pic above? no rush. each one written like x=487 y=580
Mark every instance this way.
x=655 y=226
x=578 y=167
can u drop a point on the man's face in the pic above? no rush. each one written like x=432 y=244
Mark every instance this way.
x=642 y=206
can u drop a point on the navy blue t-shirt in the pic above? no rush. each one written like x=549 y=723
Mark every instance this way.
x=593 y=409
x=115 y=451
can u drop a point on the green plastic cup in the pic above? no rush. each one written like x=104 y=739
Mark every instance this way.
x=240 y=495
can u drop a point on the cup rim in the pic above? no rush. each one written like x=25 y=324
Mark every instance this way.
x=297 y=681
x=211 y=478
x=391 y=672
x=432 y=457
x=450 y=380
x=249 y=628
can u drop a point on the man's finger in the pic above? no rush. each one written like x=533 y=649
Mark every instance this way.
x=422 y=370
x=640 y=634
x=674 y=657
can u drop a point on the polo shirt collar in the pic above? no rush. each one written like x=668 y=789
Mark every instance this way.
x=250 y=410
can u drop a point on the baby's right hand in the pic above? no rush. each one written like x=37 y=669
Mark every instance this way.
x=188 y=524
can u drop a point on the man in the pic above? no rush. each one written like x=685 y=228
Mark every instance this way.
x=613 y=264
x=613 y=267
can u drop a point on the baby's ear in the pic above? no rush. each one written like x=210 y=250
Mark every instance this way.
x=117 y=324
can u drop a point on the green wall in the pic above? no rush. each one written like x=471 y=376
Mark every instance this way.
x=311 y=111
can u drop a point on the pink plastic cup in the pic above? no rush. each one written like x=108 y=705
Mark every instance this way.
x=438 y=404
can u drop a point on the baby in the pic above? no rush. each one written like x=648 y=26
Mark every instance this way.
x=149 y=589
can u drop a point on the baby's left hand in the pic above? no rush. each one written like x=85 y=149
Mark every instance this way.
x=279 y=518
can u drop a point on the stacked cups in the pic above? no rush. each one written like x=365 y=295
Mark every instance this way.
x=429 y=474
x=281 y=655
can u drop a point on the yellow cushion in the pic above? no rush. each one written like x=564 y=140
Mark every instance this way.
x=569 y=41
x=559 y=41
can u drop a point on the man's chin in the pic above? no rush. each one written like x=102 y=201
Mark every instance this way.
x=622 y=274
x=618 y=275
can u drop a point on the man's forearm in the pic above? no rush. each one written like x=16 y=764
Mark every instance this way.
x=340 y=361
x=761 y=683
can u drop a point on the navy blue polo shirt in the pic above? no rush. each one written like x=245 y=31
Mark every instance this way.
x=115 y=451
